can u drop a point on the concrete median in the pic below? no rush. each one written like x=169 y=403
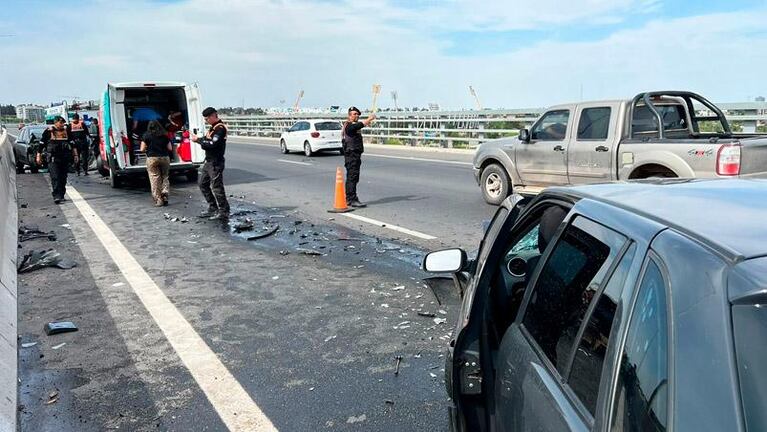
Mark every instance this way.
x=8 y=299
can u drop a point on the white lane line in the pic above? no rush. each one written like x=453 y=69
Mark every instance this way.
x=390 y=226
x=234 y=405
x=294 y=162
x=411 y=158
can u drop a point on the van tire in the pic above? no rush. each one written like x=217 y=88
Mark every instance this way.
x=192 y=175
x=495 y=184
x=100 y=167
x=114 y=180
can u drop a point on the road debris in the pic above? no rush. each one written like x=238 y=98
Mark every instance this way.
x=266 y=233
x=388 y=402
x=310 y=252
x=28 y=344
x=360 y=419
x=399 y=360
x=440 y=320
x=55 y=347
x=427 y=314
x=29 y=233
x=398 y=288
x=330 y=338
x=53 y=328
x=53 y=397
x=35 y=260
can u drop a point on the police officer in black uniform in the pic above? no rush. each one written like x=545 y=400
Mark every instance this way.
x=212 y=171
x=59 y=152
x=351 y=142
x=80 y=136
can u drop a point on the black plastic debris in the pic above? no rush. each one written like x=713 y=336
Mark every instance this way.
x=53 y=328
x=242 y=225
x=310 y=252
x=427 y=314
x=266 y=233
x=36 y=260
x=29 y=233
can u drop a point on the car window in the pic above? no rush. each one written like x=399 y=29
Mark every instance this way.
x=644 y=122
x=304 y=126
x=641 y=395
x=23 y=135
x=551 y=127
x=323 y=126
x=586 y=369
x=594 y=123
x=568 y=281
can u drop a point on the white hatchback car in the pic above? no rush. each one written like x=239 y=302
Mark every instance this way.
x=311 y=136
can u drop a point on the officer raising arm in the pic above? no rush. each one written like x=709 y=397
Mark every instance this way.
x=59 y=151
x=351 y=142
x=212 y=171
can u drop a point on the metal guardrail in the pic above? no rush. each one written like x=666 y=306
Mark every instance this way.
x=449 y=128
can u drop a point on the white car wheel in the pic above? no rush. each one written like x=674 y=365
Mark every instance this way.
x=283 y=147
x=308 y=149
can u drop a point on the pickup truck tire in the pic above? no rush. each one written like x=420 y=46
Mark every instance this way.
x=495 y=184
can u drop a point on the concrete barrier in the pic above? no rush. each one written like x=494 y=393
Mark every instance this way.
x=8 y=320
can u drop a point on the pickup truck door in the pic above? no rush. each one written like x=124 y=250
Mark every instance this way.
x=543 y=160
x=592 y=150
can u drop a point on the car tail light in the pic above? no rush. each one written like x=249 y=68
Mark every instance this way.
x=728 y=160
x=315 y=134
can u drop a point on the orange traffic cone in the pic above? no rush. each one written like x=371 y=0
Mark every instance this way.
x=340 y=206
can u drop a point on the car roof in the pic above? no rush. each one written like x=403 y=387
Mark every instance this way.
x=324 y=120
x=725 y=214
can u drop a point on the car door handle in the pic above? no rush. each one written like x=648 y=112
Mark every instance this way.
x=601 y=148
x=559 y=148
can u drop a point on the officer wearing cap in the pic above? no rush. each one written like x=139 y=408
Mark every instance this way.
x=351 y=142
x=59 y=152
x=212 y=171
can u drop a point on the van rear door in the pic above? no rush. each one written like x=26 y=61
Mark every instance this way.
x=196 y=122
x=117 y=122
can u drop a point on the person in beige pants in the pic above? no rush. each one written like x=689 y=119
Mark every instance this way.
x=157 y=146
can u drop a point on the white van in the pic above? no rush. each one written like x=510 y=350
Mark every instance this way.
x=126 y=109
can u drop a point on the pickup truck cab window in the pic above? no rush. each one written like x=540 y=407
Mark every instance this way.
x=594 y=124
x=551 y=127
x=645 y=124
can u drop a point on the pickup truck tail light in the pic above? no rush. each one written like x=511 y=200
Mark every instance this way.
x=728 y=160
x=315 y=134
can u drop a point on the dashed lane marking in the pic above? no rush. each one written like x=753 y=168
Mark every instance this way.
x=389 y=226
x=232 y=403
x=294 y=162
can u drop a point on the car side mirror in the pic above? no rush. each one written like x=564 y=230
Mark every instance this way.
x=524 y=135
x=444 y=261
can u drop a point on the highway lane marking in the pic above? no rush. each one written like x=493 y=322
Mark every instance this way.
x=410 y=158
x=227 y=396
x=390 y=226
x=294 y=162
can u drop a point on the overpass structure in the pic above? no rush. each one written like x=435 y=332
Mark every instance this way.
x=454 y=128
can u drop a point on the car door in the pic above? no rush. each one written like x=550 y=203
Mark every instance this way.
x=591 y=152
x=287 y=136
x=569 y=304
x=543 y=160
x=196 y=122
x=21 y=145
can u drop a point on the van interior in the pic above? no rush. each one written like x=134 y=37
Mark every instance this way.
x=145 y=104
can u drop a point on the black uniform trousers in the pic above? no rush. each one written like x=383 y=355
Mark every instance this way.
x=212 y=185
x=58 y=168
x=84 y=151
x=352 y=162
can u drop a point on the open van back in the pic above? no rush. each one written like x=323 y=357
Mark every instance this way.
x=126 y=111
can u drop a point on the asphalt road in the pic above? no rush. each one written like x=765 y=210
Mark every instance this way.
x=312 y=339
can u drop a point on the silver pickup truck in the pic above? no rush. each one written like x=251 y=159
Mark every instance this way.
x=655 y=134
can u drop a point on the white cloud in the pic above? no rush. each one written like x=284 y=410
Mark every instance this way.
x=264 y=51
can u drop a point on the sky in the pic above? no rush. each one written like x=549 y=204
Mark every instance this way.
x=515 y=54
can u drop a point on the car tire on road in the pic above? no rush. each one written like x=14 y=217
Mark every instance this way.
x=308 y=149
x=283 y=147
x=495 y=184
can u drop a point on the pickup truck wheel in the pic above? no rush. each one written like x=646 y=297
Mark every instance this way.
x=495 y=184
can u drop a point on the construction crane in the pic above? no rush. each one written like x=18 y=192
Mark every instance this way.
x=298 y=100
x=394 y=96
x=476 y=98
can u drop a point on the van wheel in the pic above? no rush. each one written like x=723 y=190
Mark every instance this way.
x=283 y=147
x=192 y=175
x=114 y=179
x=100 y=166
x=495 y=184
x=308 y=149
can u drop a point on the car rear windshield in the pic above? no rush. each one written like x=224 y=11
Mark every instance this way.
x=645 y=123
x=322 y=126
x=750 y=327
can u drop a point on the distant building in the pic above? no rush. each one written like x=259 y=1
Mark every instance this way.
x=759 y=99
x=433 y=106
x=30 y=113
